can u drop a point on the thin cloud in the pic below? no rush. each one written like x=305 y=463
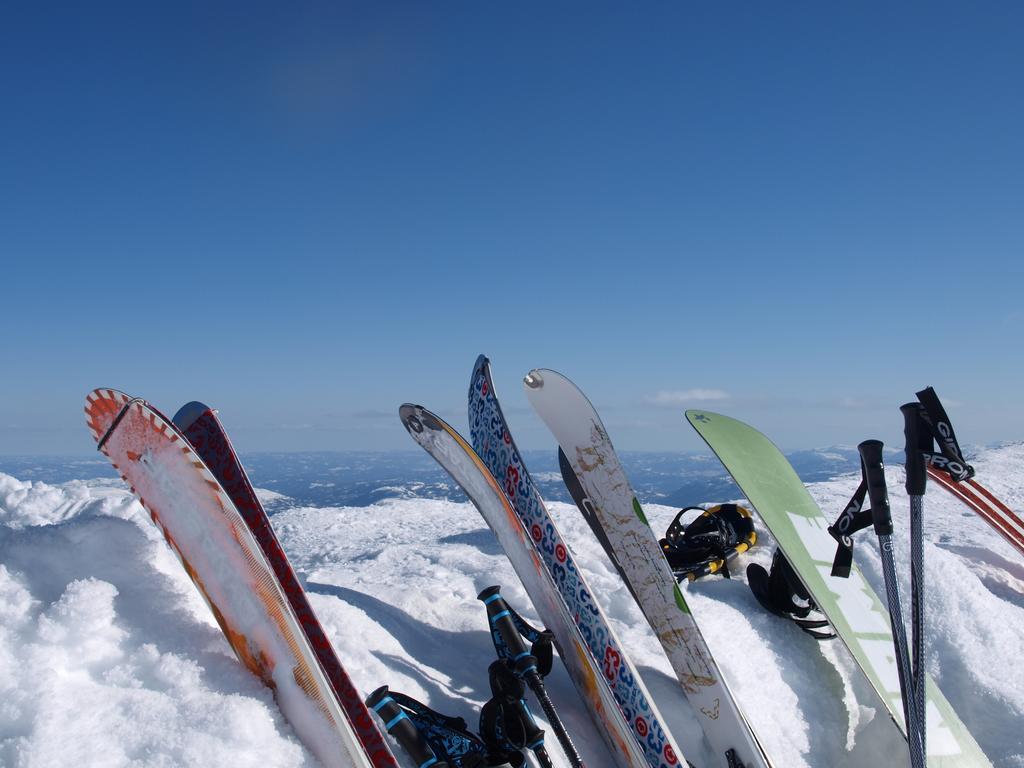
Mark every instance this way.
x=674 y=398
x=851 y=402
x=376 y=413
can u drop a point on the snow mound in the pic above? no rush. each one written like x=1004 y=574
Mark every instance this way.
x=24 y=504
x=108 y=656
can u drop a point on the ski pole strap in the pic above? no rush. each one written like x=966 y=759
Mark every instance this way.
x=541 y=643
x=506 y=723
x=403 y=728
x=950 y=458
x=448 y=738
x=853 y=518
x=510 y=632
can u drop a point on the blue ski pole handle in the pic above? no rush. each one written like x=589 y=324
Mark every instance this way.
x=878 y=492
x=919 y=442
x=534 y=736
x=398 y=724
x=500 y=618
x=525 y=663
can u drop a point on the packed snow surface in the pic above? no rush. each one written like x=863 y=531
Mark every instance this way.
x=109 y=656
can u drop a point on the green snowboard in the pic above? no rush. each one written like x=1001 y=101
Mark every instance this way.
x=851 y=605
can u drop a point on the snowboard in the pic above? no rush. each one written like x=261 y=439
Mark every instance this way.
x=635 y=548
x=493 y=443
x=216 y=547
x=851 y=606
x=207 y=436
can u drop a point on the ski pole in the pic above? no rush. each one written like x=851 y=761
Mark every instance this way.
x=918 y=442
x=881 y=515
x=500 y=617
x=398 y=724
x=534 y=736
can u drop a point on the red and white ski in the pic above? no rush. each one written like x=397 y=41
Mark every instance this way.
x=986 y=505
x=223 y=553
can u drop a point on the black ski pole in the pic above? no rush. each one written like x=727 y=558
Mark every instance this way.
x=525 y=663
x=919 y=441
x=534 y=736
x=398 y=724
x=881 y=515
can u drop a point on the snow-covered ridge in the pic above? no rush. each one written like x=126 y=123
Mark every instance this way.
x=24 y=504
x=109 y=656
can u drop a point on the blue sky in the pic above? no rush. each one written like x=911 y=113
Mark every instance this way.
x=306 y=214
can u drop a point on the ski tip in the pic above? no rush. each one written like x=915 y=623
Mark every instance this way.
x=416 y=419
x=696 y=417
x=482 y=363
x=102 y=407
x=189 y=413
x=480 y=379
x=106 y=393
x=482 y=369
x=409 y=413
x=537 y=378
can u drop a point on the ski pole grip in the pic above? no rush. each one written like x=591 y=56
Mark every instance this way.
x=500 y=617
x=878 y=492
x=917 y=473
x=398 y=724
x=533 y=734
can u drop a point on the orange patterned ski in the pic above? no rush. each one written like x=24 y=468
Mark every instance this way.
x=221 y=556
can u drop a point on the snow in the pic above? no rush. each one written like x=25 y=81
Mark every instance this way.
x=109 y=656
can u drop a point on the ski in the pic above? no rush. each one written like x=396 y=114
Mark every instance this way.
x=593 y=675
x=851 y=606
x=936 y=441
x=609 y=500
x=207 y=436
x=575 y=488
x=633 y=708
x=217 y=548
x=985 y=504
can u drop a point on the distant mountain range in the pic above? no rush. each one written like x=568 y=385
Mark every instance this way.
x=355 y=478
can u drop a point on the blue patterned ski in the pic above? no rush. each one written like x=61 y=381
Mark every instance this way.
x=493 y=442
